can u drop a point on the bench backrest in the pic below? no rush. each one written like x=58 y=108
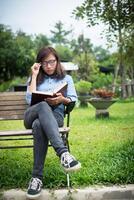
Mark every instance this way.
x=12 y=105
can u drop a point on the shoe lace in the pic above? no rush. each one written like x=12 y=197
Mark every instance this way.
x=35 y=183
x=67 y=159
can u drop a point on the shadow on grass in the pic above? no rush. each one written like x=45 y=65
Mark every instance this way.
x=114 y=165
x=110 y=166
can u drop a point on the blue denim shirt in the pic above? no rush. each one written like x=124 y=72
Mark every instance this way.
x=50 y=83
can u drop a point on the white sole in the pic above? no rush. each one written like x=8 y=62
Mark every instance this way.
x=73 y=169
x=33 y=196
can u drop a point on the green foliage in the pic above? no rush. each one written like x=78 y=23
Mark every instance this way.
x=10 y=84
x=64 y=52
x=7 y=54
x=101 y=80
x=101 y=54
x=87 y=66
x=40 y=41
x=118 y=16
x=24 y=53
x=113 y=13
x=60 y=35
x=81 y=45
x=83 y=57
x=5 y=86
x=104 y=147
x=16 y=54
x=111 y=60
x=128 y=54
x=83 y=86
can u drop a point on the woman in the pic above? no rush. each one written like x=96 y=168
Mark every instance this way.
x=45 y=117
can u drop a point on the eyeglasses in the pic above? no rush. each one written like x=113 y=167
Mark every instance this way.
x=50 y=62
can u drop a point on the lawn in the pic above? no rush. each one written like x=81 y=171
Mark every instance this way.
x=105 y=148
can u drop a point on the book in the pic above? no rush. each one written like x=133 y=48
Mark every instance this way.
x=39 y=96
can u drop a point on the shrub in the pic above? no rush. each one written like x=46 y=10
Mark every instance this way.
x=83 y=87
x=101 y=80
x=10 y=84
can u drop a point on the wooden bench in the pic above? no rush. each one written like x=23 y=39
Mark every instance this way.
x=12 y=107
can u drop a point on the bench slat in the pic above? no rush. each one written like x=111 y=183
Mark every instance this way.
x=16 y=132
x=16 y=147
x=10 y=103
x=13 y=117
x=27 y=132
x=12 y=98
x=12 y=94
x=13 y=107
x=11 y=112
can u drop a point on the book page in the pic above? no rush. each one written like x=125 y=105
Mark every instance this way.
x=61 y=87
x=45 y=93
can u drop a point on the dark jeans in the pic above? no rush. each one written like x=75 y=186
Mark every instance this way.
x=44 y=123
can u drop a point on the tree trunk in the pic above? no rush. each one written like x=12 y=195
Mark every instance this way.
x=121 y=66
x=116 y=70
x=121 y=63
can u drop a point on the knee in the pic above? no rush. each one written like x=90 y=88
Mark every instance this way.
x=43 y=106
x=26 y=120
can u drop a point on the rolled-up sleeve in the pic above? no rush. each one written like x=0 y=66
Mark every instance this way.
x=28 y=94
x=71 y=92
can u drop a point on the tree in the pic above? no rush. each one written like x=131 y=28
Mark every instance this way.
x=118 y=15
x=64 y=52
x=40 y=41
x=16 y=53
x=7 y=57
x=87 y=67
x=101 y=54
x=59 y=34
x=129 y=56
x=25 y=55
x=81 y=45
x=82 y=52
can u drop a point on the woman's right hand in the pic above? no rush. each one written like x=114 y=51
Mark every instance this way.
x=35 y=69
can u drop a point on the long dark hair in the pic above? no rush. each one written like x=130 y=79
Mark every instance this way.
x=43 y=54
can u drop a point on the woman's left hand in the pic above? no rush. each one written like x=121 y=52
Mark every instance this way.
x=56 y=100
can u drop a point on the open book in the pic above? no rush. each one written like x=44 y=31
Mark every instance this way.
x=39 y=96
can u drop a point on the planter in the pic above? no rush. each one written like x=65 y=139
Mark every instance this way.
x=101 y=105
x=83 y=97
x=83 y=88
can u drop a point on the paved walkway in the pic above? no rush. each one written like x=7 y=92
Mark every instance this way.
x=125 y=192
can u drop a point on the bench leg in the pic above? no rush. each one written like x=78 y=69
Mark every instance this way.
x=66 y=142
x=68 y=180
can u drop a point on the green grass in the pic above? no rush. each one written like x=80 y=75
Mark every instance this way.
x=105 y=148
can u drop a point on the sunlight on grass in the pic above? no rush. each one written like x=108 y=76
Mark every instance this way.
x=104 y=147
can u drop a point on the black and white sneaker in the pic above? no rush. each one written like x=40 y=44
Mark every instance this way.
x=69 y=163
x=34 y=189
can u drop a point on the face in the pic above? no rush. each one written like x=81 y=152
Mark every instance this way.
x=49 y=64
